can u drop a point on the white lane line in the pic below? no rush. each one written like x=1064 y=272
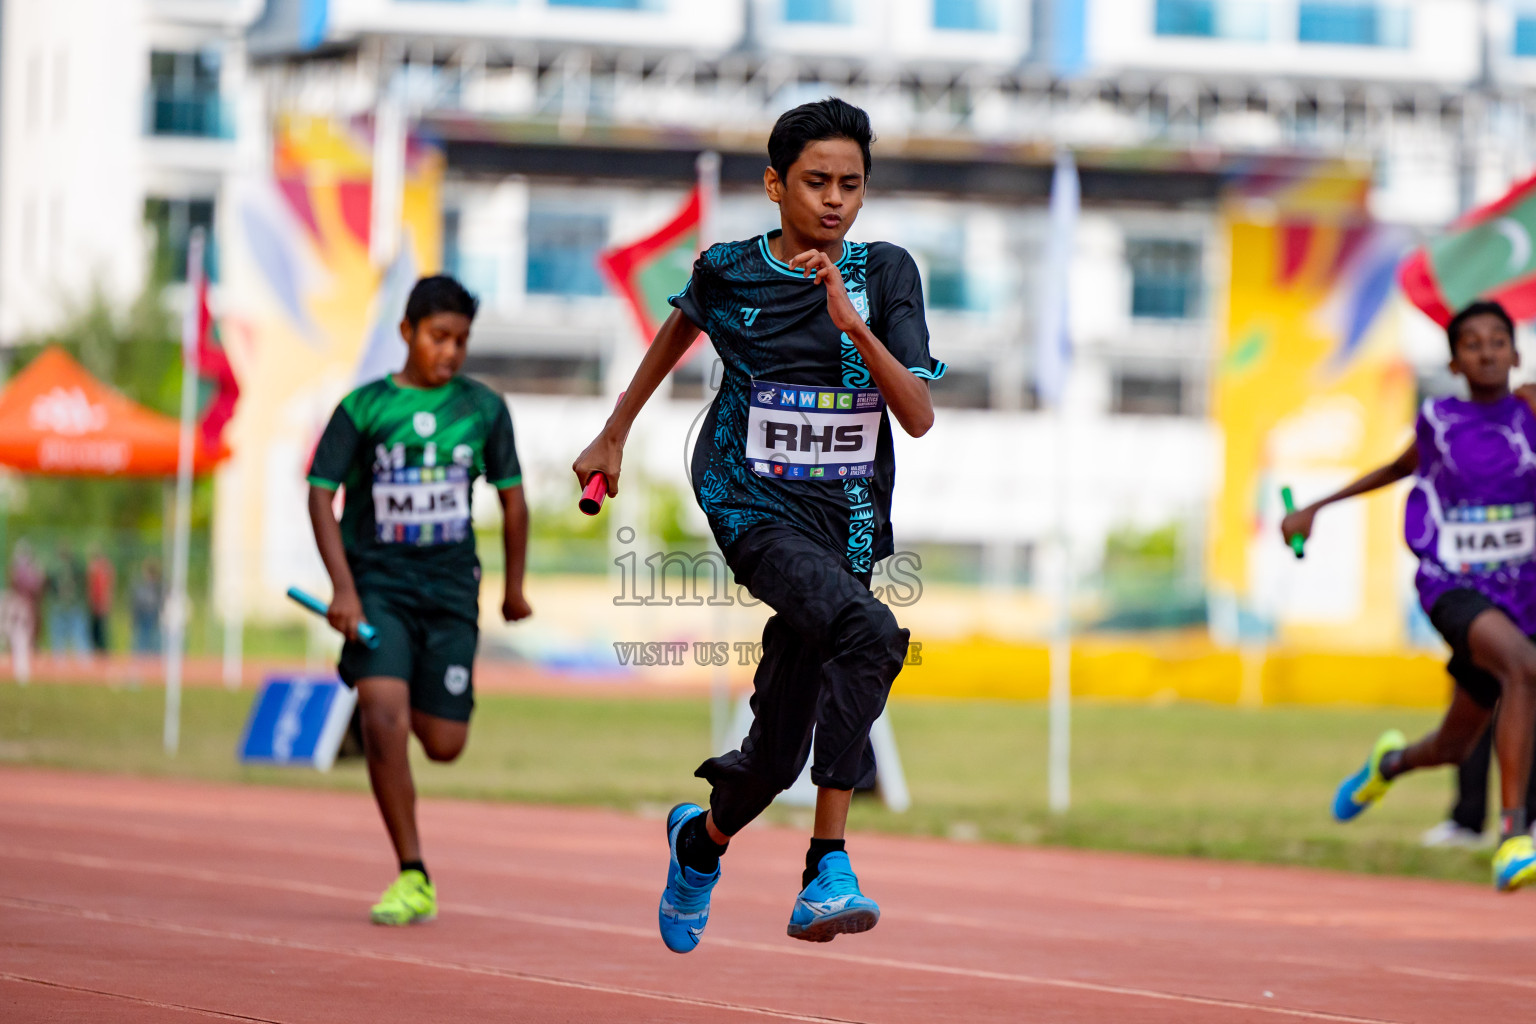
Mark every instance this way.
x=548 y=921
x=184 y=837
x=65 y=910
x=157 y=1004
x=1348 y=917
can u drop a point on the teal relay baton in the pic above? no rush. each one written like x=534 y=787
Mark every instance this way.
x=1298 y=543
x=366 y=633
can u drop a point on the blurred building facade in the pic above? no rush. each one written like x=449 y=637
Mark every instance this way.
x=119 y=122
x=571 y=125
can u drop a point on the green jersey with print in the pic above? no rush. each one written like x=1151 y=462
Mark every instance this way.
x=407 y=458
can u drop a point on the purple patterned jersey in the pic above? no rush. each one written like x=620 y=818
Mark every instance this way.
x=1471 y=516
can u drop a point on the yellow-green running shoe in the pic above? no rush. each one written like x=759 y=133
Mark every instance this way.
x=410 y=899
x=1366 y=786
x=1514 y=865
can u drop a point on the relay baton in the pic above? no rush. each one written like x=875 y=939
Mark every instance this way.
x=1298 y=542
x=592 y=495
x=366 y=633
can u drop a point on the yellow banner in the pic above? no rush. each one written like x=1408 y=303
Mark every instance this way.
x=301 y=298
x=1310 y=390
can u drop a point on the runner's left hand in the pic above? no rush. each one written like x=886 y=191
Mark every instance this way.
x=815 y=264
x=1298 y=523
x=515 y=607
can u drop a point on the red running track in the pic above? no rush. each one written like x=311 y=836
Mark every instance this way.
x=132 y=900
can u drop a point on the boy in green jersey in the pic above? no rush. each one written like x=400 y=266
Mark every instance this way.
x=407 y=449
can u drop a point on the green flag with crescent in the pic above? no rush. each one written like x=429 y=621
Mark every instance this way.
x=1488 y=254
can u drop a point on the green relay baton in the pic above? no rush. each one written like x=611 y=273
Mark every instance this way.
x=1298 y=542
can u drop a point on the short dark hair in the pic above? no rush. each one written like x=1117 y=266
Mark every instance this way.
x=1480 y=308
x=830 y=118
x=439 y=294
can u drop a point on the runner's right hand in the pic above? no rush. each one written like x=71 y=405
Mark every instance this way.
x=1298 y=522
x=346 y=614
x=604 y=455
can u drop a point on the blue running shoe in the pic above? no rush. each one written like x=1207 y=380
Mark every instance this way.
x=684 y=909
x=1367 y=786
x=832 y=904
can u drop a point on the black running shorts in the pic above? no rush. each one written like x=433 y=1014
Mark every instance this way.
x=1452 y=615
x=431 y=648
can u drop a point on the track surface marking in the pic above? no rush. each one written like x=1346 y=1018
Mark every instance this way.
x=128 y=899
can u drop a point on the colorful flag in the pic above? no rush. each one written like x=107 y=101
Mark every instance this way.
x=1363 y=273
x=1487 y=254
x=648 y=272
x=217 y=388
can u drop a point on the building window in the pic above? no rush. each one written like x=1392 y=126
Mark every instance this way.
x=950 y=288
x=825 y=12
x=1351 y=24
x=951 y=278
x=1145 y=394
x=172 y=221
x=613 y=5
x=965 y=15
x=562 y=252
x=537 y=374
x=1165 y=278
x=184 y=96
x=962 y=389
x=1525 y=35
x=1246 y=20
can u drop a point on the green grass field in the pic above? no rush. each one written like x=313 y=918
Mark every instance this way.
x=1180 y=779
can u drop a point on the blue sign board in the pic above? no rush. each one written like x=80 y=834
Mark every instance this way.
x=298 y=720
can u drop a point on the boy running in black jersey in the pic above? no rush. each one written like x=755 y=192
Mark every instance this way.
x=793 y=469
x=408 y=448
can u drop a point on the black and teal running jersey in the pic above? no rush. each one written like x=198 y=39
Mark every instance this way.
x=407 y=458
x=798 y=432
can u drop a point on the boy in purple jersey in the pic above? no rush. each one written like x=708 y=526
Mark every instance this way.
x=1471 y=520
x=1468 y=816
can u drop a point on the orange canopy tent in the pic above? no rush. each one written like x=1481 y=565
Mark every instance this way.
x=57 y=419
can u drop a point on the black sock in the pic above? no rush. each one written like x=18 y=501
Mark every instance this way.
x=1392 y=764
x=819 y=849
x=415 y=865
x=1512 y=823
x=695 y=849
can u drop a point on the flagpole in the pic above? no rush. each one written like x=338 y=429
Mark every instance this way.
x=176 y=607
x=1054 y=372
x=1059 y=772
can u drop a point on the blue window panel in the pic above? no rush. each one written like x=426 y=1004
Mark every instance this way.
x=1352 y=24
x=826 y=12
x=965 y=15
x=1165 y=278
x=184 y=98
x=314 y=19
x=1246 y=20
x=952 y=289
x=1186 y=18
x=1525 y=35
x=562 y=252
